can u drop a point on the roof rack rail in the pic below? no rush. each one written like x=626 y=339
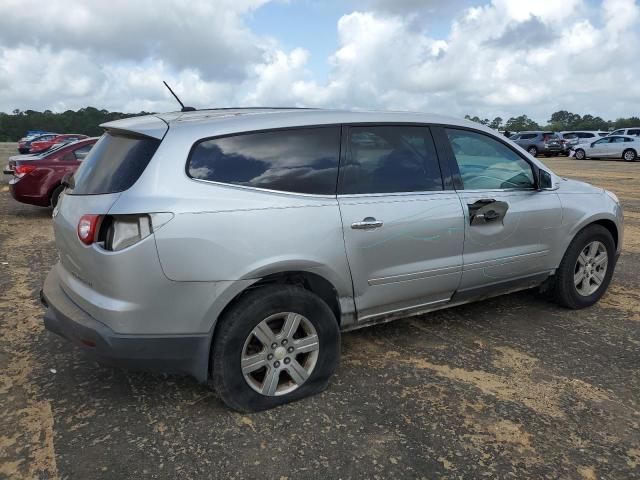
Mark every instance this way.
x=257 y=108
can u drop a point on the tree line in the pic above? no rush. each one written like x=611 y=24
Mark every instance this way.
x=87 y=120
x=559 y=121
x=13 y=126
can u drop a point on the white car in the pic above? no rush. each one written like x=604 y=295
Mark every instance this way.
x=612 y=146
x=584 y=136
x=632 y=132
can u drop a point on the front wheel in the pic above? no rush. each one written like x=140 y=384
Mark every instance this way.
x=580 y=155
x=278 y=344
x=629 y=155
x=533 y=151
x=586 y=268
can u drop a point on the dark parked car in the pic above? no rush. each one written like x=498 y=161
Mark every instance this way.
x=537 y=142
x=37 y=179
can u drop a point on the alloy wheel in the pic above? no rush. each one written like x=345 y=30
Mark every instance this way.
x=280 y=354
x=591 y=268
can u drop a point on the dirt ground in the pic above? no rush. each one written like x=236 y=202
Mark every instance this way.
x=513 y=387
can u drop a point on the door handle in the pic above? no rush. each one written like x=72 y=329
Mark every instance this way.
x=487 y=210
x=367 y=224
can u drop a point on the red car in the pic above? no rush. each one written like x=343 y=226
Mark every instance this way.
x=42 y=145
x=37 y=179
x=24 y=145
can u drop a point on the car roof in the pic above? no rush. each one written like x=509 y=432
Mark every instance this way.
x=248 y=119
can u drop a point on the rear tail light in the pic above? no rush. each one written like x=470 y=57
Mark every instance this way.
x=88 y=228
x=22 y=170
x=116 y=232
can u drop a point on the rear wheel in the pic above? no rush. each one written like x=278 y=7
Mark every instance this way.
x=533 y=151
x=277 y=344
x=586 y=268
x=580 y=155
x=629 y=155
x=55 y=196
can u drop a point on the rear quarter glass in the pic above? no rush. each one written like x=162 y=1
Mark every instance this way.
x=114 y=164
x=297 y=160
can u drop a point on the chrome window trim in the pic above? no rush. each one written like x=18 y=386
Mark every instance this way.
x=259 y=189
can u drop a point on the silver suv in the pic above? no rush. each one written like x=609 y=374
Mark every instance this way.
x=235 y=245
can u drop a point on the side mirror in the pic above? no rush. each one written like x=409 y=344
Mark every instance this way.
x=544 y=180
x=593 y=144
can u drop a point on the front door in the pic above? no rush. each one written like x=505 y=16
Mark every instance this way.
x=510 y=228
x=403 y=233
x=600 y=148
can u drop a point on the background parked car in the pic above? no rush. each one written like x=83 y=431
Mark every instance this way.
x=612 y=146
x=536 y=142
x=31 y=134
x=24 y=145
x=37 y=180
x=41 y=146
x=567 y=141
x=633 y=131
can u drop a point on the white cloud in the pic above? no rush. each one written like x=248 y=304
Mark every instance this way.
x=502 y=58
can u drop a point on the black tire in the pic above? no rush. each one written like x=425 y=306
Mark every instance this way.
x=629 y=155
x=533 y=151
x=580 y=154
x=55 y=195
x=566 y=293
x=236 y=326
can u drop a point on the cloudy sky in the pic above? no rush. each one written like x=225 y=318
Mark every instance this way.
x=485 y=58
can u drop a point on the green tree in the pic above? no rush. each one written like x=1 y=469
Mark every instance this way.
x=521 y=123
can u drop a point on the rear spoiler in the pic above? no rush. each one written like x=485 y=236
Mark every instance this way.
x=146 y=126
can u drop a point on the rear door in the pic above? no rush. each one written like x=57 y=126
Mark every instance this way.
x=403 y=231
x=509 y=226
x=615 y=147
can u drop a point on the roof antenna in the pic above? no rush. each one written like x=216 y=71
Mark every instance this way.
x=183 y=109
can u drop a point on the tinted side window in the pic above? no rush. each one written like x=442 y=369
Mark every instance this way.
x=114 y=164
x=634 y=132
x=485 y=163
x=390 y=159
x=301 y=160
x=618 y=132
x=528 y=136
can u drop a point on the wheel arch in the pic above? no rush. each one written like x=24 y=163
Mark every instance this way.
x=310 y=281
x=604 y=221
x=52 y=190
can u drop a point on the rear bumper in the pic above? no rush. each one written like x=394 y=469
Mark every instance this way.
x=23 y=191
x=172 y=354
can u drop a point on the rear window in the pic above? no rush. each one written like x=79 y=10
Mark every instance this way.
x=114 y=164
x=303 y=160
